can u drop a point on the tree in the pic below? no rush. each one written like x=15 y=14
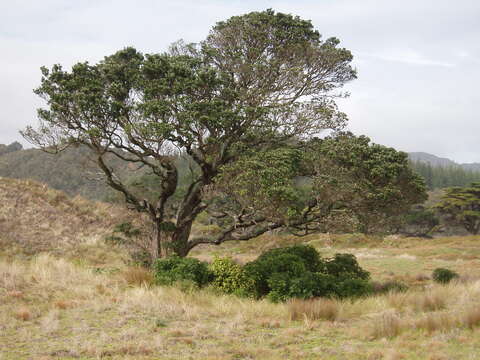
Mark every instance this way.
x=261 y=84
x=461 y=206
x=420 y=221
x=15 y=146
x=377 y=183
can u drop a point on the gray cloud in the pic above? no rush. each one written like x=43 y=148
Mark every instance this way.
x=417 y=60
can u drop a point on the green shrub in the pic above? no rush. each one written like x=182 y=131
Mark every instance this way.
x=306 y=286
x=229 y=277
x=299 y=272
x=307 y=253
x=389 y=286
x=443 y=276
x=265 y=267
x=174 y=269
x=352 y=287
x=346 y=266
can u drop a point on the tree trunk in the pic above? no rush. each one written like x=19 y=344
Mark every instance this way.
x=162 y=241
x=168 y=242
x=180 y=241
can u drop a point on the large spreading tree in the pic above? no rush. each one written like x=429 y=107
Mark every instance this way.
x=243 y=106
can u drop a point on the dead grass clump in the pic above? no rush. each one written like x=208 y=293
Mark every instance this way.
x=471 y=318
x=62 y=304
x=436 y=322
x=15 y=294
x=422 y=277
x=50 y=322
x=269 y=324
x=177 y=333
x=394 y=355
x=23 y=314
x=135 y=349
x=432 y=301
x=138 y=276
x=388 y=325
x=397 y=300
x=318 y=309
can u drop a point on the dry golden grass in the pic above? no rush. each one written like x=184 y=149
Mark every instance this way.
x=74 y=297
x=387 y=325
x=114 y=319
x=23 y=314
x=436 y=322
x=432 y=300
x=35 y=219
x=471 y=318
x=138 y=276
x=318 y=309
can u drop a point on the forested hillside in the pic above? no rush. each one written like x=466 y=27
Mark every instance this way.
x=445 y=176
x=70 y=171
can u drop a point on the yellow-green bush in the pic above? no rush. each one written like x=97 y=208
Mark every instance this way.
x=229 y=277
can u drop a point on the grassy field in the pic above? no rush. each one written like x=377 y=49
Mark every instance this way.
x=79 y=300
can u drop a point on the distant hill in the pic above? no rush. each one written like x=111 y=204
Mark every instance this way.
x=441 y=172
x=431 y=159
x=441 y=162
x=5 y=149
x=70 y=171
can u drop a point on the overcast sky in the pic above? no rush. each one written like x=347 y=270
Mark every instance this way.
x=418 y=61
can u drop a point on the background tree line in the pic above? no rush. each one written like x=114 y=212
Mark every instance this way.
x=437 y=177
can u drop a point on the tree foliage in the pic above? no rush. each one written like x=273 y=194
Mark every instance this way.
x=461 y=206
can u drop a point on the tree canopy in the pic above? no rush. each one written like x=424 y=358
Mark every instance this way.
x=461 y=206
x=243 y=106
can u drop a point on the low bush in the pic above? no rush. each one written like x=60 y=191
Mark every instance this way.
x=346 y=265
x=230 y=277
x=176 y=269
x=308 y=255
x=443 y=276
x=278 y=274
x=277 y=269
x=306 y=286
x=389 y=287
x=352 y=287
x=299 y=272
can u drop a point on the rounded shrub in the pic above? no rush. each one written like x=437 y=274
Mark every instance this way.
x=282 y=265
x=306 y=286
x=299 y=272
x=177 y=269
x=308 y=254
x=346 y=266
x=352 y=288
x=230 y=277
x=443 y=276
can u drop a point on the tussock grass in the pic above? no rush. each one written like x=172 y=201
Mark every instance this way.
x=432 y=300
x=138 y=276
x=436 y=322
x=317 y=309
x=387 y=325
x=471 y=317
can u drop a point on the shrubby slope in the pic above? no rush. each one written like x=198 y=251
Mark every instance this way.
x=35 y=218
